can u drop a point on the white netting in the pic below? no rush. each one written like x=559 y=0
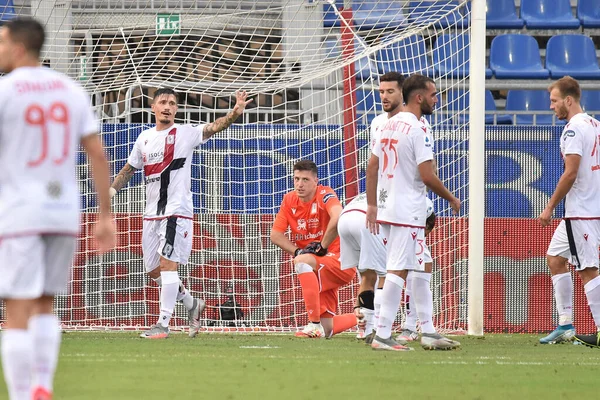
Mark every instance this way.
x=312 y=69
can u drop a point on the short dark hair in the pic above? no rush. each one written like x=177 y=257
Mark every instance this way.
x=28 y=32
x=413 y=83
x=166 y=91
x=567 y=86
x=393 y=77
x=306 y=165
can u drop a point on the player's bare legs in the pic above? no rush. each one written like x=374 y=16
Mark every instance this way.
x=563 y=296
x=195 y=307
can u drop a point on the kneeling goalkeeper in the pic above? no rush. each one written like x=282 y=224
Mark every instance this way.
x=311 y=211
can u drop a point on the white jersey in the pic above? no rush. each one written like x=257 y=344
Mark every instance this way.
x=359 y=203
x=582 y=136
x=379 y=122
x=404 y=143
x=43 y=116
x=166 y=157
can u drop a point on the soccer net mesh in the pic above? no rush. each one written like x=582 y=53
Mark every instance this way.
x=312 y=68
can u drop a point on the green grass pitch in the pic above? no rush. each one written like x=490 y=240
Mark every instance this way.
x=219 y=366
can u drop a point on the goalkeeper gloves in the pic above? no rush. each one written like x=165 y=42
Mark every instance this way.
x=312 y=248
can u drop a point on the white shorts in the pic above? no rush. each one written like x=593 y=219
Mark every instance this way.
x=170 y=238
x=358 y=246
x=32 y=266
x=405 y=247
x=578 y=244
x=427 y=254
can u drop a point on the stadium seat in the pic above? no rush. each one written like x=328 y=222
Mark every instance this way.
x=368 y=102
x=7 y=10
x=369 y=14
x=590 y=101
x=573 y=55
x=516 y=57
x=364 y=67
x=451 y=56
x=425 y=12
x=458 y=100
x=548 y=14
x=529 y=100
x=588 y=13
x=502 y=14
x=330 y=18
x=407 y=57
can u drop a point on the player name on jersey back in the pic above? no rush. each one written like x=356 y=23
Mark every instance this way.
x=581 y=136
x=166 y=158
x=43 y=116
x=404 y=143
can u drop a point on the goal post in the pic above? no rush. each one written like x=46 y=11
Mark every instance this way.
x=314 y=82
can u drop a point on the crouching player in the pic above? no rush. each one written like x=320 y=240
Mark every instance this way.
x=311 y=212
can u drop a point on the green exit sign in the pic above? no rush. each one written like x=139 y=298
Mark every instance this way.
x=168 y=24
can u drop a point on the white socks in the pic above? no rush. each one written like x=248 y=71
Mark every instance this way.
x=17 y=362
x=592 y=292
x=422 y=298
x=369 y=317
x=168 y=296
x=563 y=295
x=46 y=334
x=391 y=296
x=411 y=311
x=377 y=307
x=183 y=294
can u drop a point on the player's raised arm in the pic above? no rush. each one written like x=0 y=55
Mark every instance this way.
x=223 y=123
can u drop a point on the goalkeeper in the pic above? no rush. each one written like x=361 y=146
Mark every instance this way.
x=311 y=211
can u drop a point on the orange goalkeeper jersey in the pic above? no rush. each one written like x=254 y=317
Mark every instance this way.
x=307 y=221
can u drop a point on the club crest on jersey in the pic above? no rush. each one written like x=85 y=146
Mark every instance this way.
x=301 y=225
x=170 y=139
x=313 y=209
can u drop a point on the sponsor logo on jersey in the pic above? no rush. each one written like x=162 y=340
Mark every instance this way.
x=54 y=189
x=585 y=236
x=293 y=211
x=420 y=261
x=155 y=157
x=152 y=180
x=569 y=133
x=327 y=197
x=308 y=236
x=414 y=235
x=385 y=241
x=313 y=209
x=313 y=222
x=185 y=234
x=323 y=191
x=301 y=225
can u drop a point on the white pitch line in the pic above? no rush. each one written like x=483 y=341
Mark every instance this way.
x=259 y=347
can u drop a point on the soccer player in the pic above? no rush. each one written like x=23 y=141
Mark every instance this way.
x=311 y=212
x=44 y=117
x=368 y=299
x=398 y=172
x=165 y=153
x=577 y=236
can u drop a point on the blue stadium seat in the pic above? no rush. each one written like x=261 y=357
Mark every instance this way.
x=451 y=55
x=590 y=101
x=373 y=14
x=502 y=14
x=548 y=14
x=368 y=102
x=423 y=13
x=458 y=100
x=364 y=67
x=529 y=100
x=407 y=57
x=7 y=10
x=573 y=55
x=330 y=18
x=516 y=57
x=588 y=12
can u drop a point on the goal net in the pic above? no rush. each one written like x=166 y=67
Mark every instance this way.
x=312 y=69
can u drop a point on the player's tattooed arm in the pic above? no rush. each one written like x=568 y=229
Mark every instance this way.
x=123 y=177
x=223 y=123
